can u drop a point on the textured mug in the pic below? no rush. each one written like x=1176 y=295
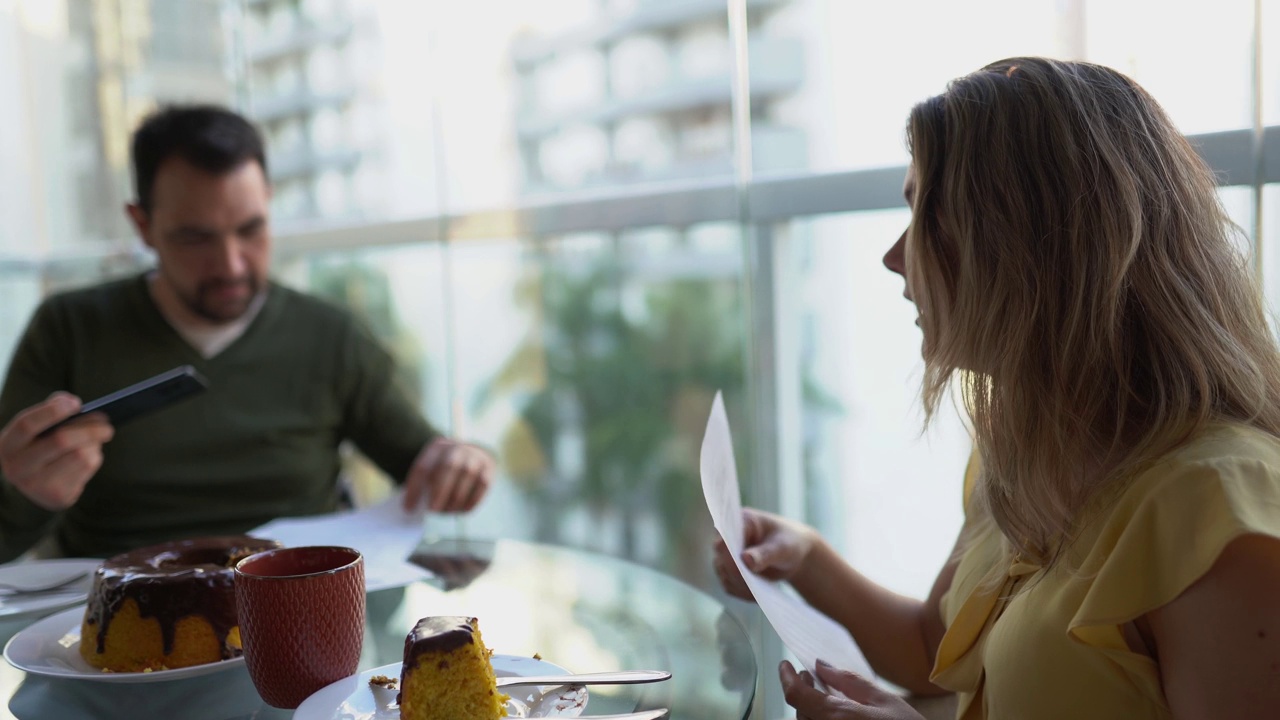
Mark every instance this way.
x=301 y=615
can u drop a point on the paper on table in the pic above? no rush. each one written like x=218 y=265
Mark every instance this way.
x=384 y=533
x=805 y=631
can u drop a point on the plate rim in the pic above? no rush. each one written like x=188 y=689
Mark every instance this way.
x=68 y=600
x=384 y=670
x=72 y=615
x=19 y=564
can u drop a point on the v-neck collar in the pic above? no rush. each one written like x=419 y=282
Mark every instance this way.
x=153 y=316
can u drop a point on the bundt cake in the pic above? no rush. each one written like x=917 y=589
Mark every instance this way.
x=447 y=673
x=166 y=606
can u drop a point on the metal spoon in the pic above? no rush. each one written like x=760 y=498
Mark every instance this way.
x=626 y=677
x=640 y=715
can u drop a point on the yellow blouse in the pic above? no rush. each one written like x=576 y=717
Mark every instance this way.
x=1056 y=649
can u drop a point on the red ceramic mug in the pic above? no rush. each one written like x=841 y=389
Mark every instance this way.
x=301 y=615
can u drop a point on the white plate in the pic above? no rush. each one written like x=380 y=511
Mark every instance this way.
x=46 y=572
x=52 y=647
x=352 y=698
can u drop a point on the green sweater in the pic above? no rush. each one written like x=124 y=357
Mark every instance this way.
x=260 y=443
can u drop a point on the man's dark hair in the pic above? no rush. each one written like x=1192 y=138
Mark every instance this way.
x=212 y=138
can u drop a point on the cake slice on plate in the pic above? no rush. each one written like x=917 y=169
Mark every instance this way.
x=447 y=673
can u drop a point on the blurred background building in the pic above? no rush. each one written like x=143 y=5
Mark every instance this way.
x=575 y=220
x=83 y=72
x=311 y=70
x=644 y=94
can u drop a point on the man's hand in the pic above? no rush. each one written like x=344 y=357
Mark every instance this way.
x=453 y=476
x=52 y=471
x=856 y=698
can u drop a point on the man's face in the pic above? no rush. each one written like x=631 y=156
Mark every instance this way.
x=210 y=234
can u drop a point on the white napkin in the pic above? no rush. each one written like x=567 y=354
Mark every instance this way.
x=805 y=631
x=384 y=533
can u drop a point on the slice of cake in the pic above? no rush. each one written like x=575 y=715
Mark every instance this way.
x=447 y=674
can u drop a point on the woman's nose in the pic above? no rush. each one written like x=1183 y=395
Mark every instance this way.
x=895 y=258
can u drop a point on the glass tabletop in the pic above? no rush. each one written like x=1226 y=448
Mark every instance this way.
x=583 y=611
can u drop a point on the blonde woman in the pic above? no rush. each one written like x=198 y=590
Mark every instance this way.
x=1074 y=274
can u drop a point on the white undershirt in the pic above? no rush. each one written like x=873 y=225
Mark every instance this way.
x=208 y=339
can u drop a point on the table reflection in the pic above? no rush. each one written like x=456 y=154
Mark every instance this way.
x=455 y=562
x=584 y=611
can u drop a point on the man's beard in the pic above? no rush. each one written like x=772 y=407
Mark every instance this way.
x=203 y=304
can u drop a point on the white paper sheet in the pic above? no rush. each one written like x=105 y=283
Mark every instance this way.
x=805 y=631
x=384 y=533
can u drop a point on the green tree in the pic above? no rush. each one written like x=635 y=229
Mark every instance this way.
x=613 y=403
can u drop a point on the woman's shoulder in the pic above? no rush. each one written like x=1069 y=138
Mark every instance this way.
x=1222 y=452
x=1223 y=483
x=1227 y=441
x=1169 y=525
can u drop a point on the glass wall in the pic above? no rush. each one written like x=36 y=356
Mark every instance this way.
x=859 y=67
x=20 y=291
x=587 y=361
x=573 y=221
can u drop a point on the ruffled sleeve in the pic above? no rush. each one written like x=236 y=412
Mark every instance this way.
x=1169 y=527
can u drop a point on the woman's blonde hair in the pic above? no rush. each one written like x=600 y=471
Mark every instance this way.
x=1075 y=272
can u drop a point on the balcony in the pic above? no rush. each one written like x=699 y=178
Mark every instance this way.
x=298 y=102
x=301 y=40
x=289 y=166
x=777 y=68
x=774 y=149
x=655 y=15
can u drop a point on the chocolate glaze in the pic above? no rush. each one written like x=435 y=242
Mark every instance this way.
x=174 y=580
x=437 y=634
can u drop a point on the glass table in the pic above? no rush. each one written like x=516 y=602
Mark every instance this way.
x=584 y=611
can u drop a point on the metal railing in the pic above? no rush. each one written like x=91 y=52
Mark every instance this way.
x=1235 y=156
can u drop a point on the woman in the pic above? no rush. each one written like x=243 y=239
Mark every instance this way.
x=1074 y=274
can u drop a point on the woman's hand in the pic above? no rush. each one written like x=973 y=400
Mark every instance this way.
x=862 y=700
x=774 y=548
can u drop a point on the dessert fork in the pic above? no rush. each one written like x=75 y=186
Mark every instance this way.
x=640 y=715
x=7 y=589
x=626 y=677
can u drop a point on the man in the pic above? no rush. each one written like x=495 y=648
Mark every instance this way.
x=291 y=377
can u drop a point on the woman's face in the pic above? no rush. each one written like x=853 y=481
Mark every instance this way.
x=897 y=258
